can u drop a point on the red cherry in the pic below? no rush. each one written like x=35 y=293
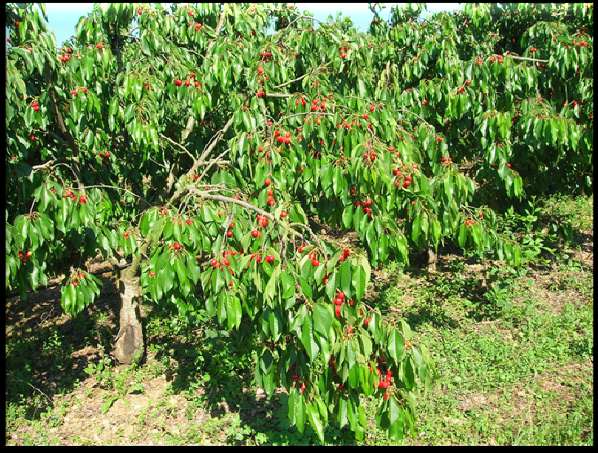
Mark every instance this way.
x=260 y=70
x=283 y=214
x=214 y=262
x=178 y=82
x=229 y=234
x=315 y=262
x=338 y=301
x=267 y=182
x=139 y=11
x=226 y=262
x=189 y=222
x=82 y=199
x=386 y=396
x=269 y=259
x=337 y=311
x=187 y=82
x=255 y=233
x=366 y=322
x=198 y=27
x=271 y=202
x=176 y=246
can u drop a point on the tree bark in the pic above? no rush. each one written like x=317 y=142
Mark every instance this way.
x=431 y=260
x=129 y=345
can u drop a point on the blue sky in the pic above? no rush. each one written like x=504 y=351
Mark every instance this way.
x=63 y=17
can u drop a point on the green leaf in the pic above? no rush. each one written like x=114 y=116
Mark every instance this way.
x=345 y=278
x=313 y=416
x=395 y=346
x=311 y=347
x=322 y=318
x=359 y=281
x=348 y=216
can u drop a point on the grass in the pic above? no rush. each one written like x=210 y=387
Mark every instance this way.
x=513 y=354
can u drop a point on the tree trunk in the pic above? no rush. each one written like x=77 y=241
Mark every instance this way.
x=129 y=346
x=431 y=261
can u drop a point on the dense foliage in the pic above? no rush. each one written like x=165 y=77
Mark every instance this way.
x=199 y=145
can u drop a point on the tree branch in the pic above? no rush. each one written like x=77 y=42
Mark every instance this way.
x=178 y=145
x=515 y=57
x=201 y=159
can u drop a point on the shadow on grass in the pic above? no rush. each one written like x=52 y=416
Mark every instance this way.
x=47 y=351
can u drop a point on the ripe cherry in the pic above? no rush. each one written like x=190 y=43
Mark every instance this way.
x=366 y=322
x=229 y=234
x=337 y=311
x=214 y=262
x=178 y=82
x=269 y=259
x=267 y=182
x=271 y=201
x=255 y=233
x=386 y=396
x=315 y=262
x=283 y=214
x=82 y=199
x=226 y=262
x=260 y=70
